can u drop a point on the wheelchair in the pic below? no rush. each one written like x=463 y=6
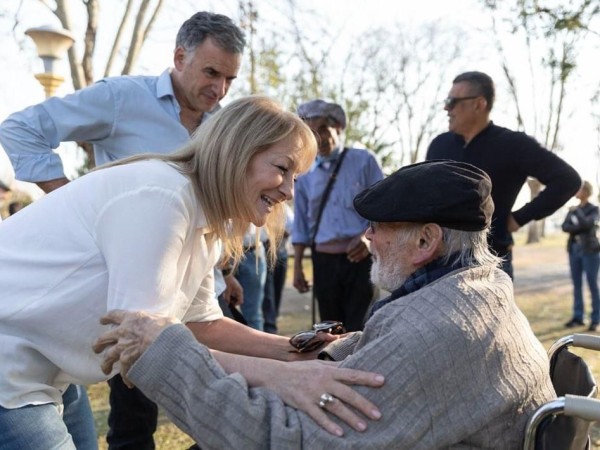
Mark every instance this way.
x=564 y=423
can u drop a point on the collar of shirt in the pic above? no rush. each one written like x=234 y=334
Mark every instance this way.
x=327 y=162
x=164 y=88
x=422 y=277
x=164 y=85
x=461 y=139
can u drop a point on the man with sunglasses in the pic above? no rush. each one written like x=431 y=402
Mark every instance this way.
x=462 y=366
x=508 y=157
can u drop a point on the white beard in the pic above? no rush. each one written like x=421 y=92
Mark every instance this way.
x=387 y=276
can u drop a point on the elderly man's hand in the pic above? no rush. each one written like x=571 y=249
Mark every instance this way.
x=125 y=343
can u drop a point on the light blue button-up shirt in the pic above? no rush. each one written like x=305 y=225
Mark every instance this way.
x=340 y=220
x=120 y=116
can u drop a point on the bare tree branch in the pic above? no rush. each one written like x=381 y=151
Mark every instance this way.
x=152 y=20
x=90 y=41
x=117 y=42
x=17 y=12
x=248 y=17
x=140 y=33
x=136 y=38
x=316 y=65
x=512 y=86
x=63 y=13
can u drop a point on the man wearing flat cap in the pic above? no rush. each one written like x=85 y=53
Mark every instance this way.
x=326 y=221
x=462 y=366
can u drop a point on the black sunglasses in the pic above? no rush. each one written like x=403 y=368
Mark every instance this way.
x=306 y=341
x=451 y=102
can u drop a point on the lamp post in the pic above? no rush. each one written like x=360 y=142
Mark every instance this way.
x=51 y=44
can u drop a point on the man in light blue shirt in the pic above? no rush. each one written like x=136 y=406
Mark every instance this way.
x=124 y=116
x=340 y=256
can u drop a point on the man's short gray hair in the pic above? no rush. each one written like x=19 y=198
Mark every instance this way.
x=220 y=28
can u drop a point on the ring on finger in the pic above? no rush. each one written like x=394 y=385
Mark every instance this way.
x=326 y=398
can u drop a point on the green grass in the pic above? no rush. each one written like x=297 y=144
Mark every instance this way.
x=547 y=307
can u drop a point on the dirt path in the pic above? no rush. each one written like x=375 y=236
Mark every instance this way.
x=540 y=267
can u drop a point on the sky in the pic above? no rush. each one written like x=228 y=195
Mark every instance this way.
x=348 y=17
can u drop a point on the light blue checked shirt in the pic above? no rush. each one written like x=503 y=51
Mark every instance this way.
x=340 y=220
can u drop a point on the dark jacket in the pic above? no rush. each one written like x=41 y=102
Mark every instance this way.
x=582 y=223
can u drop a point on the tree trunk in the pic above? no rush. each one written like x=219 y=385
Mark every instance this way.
x=64 y=15
x=115 y=48
x=90 y=41
x=137 y=38
x=533 y=230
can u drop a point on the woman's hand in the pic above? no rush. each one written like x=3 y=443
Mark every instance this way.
x=324 y=338
x=302 y=384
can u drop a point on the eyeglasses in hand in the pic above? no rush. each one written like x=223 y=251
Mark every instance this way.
x=307 y=341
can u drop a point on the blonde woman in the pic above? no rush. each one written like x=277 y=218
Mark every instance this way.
x=145 y=233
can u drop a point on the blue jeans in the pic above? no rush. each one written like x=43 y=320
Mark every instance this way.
x=252 y=275
x=274 y=284
x=589 y=264
x=42 y=427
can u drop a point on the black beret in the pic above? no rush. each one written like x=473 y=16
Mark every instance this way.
x=452 y=194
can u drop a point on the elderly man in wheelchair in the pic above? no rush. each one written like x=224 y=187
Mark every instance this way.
x=462 y=366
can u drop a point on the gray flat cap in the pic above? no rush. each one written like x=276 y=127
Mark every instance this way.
x=321 y=108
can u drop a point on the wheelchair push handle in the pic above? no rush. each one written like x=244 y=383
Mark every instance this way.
x=584 y=407
x=588 y=341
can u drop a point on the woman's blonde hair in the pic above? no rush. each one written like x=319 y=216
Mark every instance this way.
x=217 y=157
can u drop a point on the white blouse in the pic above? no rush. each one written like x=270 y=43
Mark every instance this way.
x=129 y=237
